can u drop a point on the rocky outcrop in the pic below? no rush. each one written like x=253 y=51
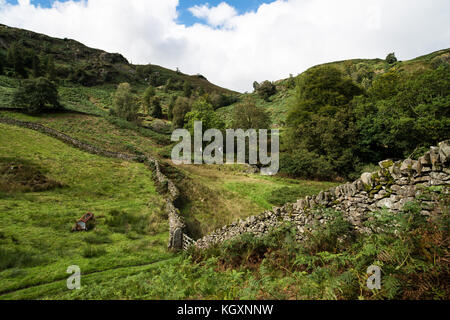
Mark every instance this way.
x=176 y=222
x=391 y=187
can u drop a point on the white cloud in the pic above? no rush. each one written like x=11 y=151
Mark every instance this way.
x=215 y=16
x=233 y=50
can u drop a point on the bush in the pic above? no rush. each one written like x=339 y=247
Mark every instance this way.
x=37 y=95
x=304 y=164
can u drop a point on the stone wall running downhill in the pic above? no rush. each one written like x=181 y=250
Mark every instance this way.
x=176 y=223
x=391 y=187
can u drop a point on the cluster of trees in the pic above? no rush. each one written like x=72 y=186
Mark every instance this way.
x=335 y=127
x=24 y=62
x=246 y=115
x=182 y=109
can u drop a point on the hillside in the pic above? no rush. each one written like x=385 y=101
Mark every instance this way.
x=361 y=71
x=90 y=66
x=337 y=121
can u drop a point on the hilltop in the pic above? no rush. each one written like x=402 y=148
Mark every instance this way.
x=87 y=66
x=361 y=71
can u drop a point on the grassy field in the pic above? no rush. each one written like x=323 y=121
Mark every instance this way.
x=214 y=195
x=219 y=195
x=36 y=243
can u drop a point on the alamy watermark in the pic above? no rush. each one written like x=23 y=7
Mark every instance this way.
x=234 y=149
x=374 y=280
x=74 y=281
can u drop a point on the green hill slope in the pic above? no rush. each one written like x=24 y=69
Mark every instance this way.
x=44 y=190
x=361 y=71
x=79 y=63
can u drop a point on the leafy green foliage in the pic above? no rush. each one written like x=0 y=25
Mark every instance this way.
x=336 y=127
x=149 y=93
x=321 y=130
x=181 y=108
x=156 y=111
x=391 y=58
x=265 y=90
x=2 y=63
x=15 y=60
x=203 y=111
x=125 y=105
x=37 y=95
x=247 y=115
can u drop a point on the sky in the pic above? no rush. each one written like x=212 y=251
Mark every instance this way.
x=235 y=42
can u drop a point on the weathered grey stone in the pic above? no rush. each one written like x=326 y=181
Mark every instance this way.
x=354 y=199
x=434 y=155
x=444 y=151
x=417 y=166
x=425 y=159
x=406 y=166
x=385 y=164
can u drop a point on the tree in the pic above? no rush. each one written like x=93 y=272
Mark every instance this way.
x=255 y=86
x=156 y=111
x=2 y=63
x=51 y=70
x=36 y=95
x=321 y=122
x=143 y=71
x=169 y=85
x=291 y=82
x=266 y=90
x=15 y=60
x=391 y=58
x=187 y=89
x=36 y=67
x=247 y=115
x=125 y=105
x=154 y=79
x=181 y=108
x=149 y=93
x=203 y=111
x=172 y=101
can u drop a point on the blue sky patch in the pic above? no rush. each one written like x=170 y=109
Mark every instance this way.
x=184 y=15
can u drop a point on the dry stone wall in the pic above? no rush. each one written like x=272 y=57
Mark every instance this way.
x=176 y=222
x=391 y=187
